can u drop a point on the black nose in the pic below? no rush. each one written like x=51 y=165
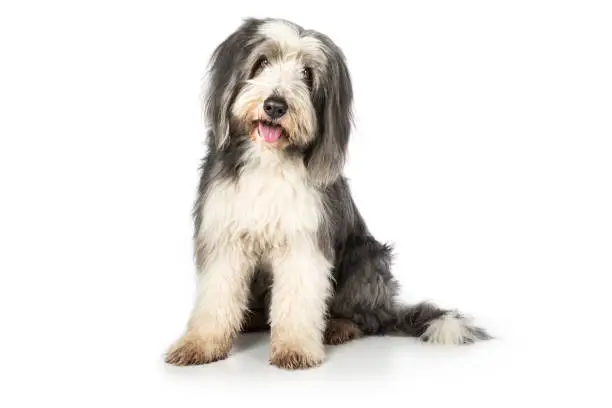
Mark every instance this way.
x=275 y=107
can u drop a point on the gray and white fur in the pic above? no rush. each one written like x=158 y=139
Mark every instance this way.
x=279 y=241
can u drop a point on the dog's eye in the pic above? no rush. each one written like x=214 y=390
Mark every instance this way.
x=261 y=63
x=307 y=76
x=307 y=73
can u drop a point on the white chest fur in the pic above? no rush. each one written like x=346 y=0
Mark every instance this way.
x=271 y=203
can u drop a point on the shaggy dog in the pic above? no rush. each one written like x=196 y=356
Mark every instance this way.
x=279 y=241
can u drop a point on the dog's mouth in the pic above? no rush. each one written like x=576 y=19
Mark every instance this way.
x=270 y=132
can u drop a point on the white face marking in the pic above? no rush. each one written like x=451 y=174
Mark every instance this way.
x=290 y=41
x=282 y=33
x=283 y=73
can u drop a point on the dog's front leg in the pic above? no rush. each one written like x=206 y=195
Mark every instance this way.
x=222 y=292
x=300 y=290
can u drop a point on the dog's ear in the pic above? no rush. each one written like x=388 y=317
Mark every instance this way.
x=327 y=156
x=226 y=73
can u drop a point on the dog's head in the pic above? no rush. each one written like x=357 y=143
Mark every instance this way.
x=286 y=87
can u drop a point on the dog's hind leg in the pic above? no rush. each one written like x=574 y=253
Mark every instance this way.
x=339 y=331
x=366 y=293
x=364 y=290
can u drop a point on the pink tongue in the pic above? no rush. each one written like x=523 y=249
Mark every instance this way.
x=269 y=133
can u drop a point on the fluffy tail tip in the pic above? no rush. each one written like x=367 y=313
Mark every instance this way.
x=454 y=329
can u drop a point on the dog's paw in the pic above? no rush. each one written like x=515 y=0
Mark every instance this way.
x=340 y=331
x=293 y=359
x=195 y=350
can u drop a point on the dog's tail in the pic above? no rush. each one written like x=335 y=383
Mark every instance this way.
x=426 y=321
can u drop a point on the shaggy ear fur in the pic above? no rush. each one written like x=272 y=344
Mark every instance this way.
x=227 y=73
x=328 y=153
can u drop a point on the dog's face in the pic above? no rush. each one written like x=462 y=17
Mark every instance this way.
x=274 y=83
x=276 y=101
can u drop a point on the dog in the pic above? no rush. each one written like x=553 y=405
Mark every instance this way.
x=279 y=243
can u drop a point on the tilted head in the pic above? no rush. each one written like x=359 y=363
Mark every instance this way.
x=275 y=83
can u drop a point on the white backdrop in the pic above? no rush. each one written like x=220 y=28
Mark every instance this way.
x=482 y=149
